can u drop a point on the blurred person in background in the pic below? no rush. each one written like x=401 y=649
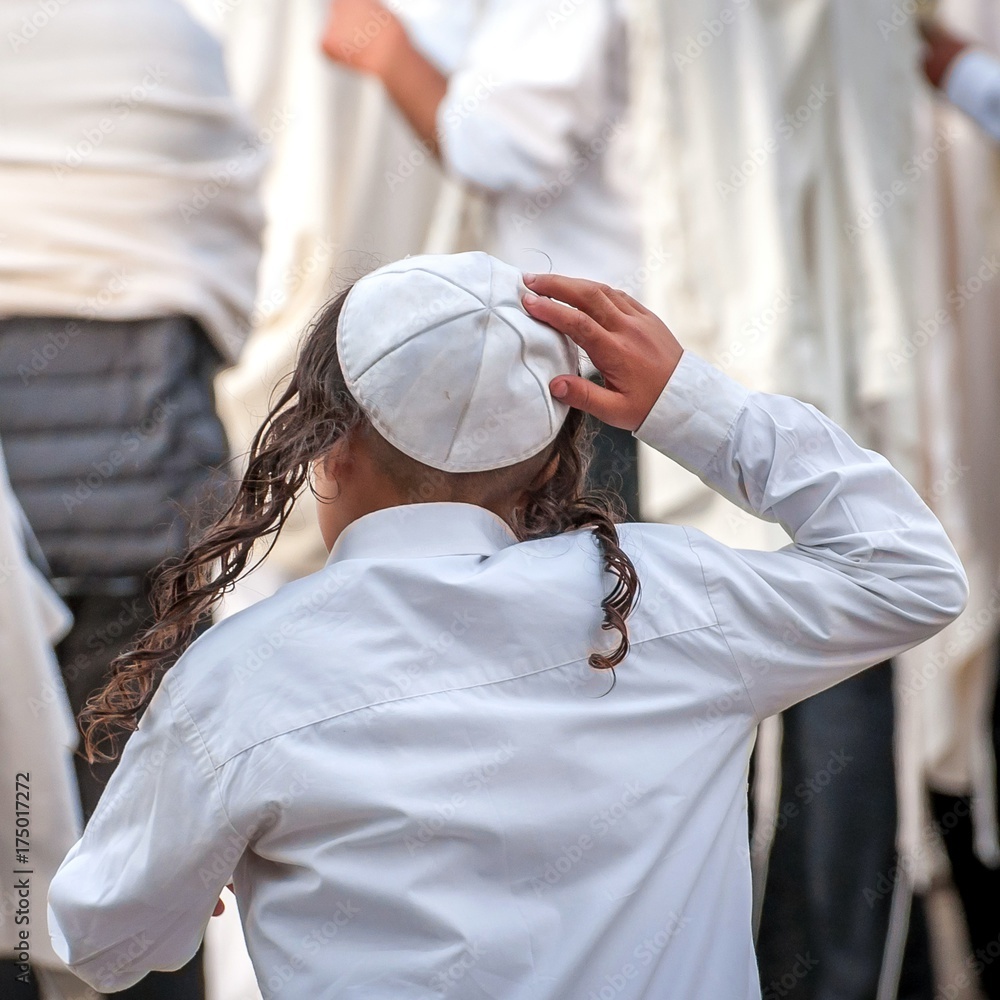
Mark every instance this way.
x=38 y=737
x=969 y=76
x=128 y=256
x=535 y=117
x=765 y=132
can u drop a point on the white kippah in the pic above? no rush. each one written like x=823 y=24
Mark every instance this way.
x=443 y=359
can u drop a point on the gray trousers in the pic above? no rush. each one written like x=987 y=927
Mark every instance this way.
x=112 y=441
x=115 y=452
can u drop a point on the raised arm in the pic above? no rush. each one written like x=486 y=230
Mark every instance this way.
x=870 y=572
x=528 y=92
x=366 y=36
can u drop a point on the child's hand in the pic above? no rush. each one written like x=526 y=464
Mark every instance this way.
x=632 y=348
x=220 y=906
x=362 y=34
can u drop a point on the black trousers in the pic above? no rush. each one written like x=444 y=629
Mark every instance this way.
x=14 y=988
x=826 y=904
x=615 y=466
x=978 y=886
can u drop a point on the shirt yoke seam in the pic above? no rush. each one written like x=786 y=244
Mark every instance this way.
x=425 y=694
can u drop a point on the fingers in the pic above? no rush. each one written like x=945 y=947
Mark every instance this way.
x=627 y=304
x=631 y=347
x=577 y=325
x=593 y=329
x=605 y=305
x=582 y=394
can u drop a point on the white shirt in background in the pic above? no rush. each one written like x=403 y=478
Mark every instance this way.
x=536 y=116
x=973 y=85
x=420 y=787
x=128 y=175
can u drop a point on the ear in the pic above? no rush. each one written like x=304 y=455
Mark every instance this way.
x=328 y=468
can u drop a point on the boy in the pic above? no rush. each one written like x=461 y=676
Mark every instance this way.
x=407 y=762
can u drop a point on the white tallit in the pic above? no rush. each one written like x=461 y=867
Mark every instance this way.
x=950 y=681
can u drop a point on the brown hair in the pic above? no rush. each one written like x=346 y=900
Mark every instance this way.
x=312 y=414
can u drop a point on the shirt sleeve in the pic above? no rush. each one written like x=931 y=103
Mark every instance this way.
x=973 y=85
x=870 y=571
x=136 y=892
x=529 y=94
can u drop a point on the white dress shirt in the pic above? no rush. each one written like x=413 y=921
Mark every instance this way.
x=421 y=789
x=536 y=115
x=973 y=85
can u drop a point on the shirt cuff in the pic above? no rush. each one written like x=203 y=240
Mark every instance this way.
x=694 y=414
x=972 y=83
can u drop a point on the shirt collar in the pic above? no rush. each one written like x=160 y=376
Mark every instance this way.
x=423 y=529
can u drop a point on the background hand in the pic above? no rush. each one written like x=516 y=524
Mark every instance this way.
x=362 y=34
x=630 y=346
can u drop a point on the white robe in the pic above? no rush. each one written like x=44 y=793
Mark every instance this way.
x=37 y=732
x=954 y=349
x=128 y=175
x=755 y=173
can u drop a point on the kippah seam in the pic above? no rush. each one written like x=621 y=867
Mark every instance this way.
x=542 y=387
x=395 y=347
x=487 y=313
